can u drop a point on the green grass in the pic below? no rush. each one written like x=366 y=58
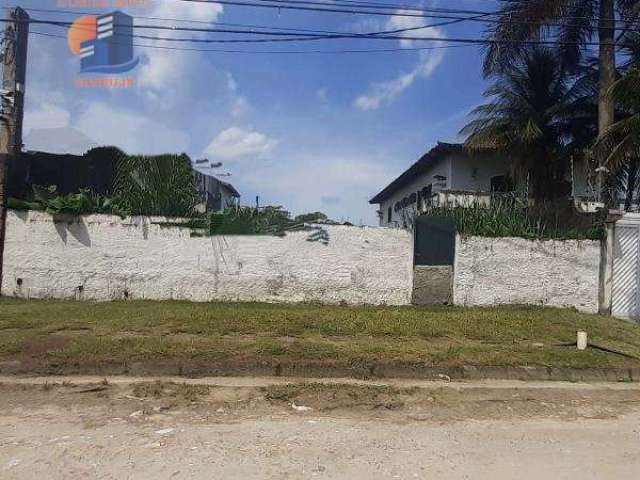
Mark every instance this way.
x=58 y=334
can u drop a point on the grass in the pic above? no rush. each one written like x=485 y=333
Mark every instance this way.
x=59 y=334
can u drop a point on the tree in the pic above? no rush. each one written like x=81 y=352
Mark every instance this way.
x=538 y=114
x=155 y=185
x=619 y=147
x=574 y=23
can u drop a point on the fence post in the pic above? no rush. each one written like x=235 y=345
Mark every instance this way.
x=606 y=267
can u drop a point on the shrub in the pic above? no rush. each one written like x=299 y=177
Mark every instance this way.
x=155 y=185
x=511 y=216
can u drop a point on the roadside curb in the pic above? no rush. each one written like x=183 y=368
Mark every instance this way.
x=373 y=371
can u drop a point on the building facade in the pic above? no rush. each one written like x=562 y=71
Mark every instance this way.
x=446 y=175
x=214 y=194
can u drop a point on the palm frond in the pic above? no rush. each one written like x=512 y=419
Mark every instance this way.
x=520 y=21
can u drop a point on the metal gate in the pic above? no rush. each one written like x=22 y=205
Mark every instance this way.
x=626 y=268
x=435 y=241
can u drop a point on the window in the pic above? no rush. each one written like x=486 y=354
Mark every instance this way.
x=499 y=183
x=389 y=215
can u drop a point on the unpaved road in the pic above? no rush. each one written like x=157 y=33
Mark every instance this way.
x=244 y=429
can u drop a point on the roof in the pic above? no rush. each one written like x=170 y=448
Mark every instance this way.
x=429 y=159
x=227 y=185
x=231 y=188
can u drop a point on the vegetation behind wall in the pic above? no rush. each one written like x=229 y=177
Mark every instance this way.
x=511 y=216
x=252 y=221
x=106 y=180
x=155 y=185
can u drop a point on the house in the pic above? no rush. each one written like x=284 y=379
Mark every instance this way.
x=213 y=193
x=445 y=175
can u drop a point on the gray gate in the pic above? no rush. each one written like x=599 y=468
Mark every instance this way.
x=626 y=268
x=435 y=241
x=434 y=256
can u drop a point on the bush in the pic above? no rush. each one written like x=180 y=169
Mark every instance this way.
x=156 y=185
x=48 y=199
x=252 y=221
x=130 y=185
x=510 y=216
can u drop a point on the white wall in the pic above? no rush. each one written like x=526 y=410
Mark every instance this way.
x=491 y=271
x=463 y=172
x=474 y=172
x=442 y=167
x=108 y=255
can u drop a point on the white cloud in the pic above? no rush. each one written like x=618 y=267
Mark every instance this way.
x=165 y=74
x=380 y=93
x=45 y=103
x=58 y=140
x=239 y=103
x=236 y=143
x=47 y=115
x=239 y=106
x=339 y=185
x=199 y=12
x=130 y=130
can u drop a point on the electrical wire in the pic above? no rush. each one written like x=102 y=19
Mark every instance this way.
x=291 y=37
x=320 y=7
x=286 y=52
x=478 y=17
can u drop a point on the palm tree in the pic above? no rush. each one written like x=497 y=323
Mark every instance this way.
x=619 y=147
x=574 y=23
x=538 y=115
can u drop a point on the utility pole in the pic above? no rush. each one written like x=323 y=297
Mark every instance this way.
x=606 y=106
x=14 y=69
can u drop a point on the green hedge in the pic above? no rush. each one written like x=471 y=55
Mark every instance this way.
x=510 y=217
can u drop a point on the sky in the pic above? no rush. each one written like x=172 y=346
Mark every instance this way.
x=307 y=132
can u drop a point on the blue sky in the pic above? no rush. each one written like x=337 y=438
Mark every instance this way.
x=308 y=132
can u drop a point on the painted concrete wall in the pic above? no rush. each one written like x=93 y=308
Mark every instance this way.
x=136 y=257
x=474 y=173
x=463 y=172
x=442 y=167
x=491 y=271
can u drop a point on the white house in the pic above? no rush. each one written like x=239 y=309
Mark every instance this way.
x=446 y=174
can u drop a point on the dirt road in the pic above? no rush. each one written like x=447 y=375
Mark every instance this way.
x=228 y=429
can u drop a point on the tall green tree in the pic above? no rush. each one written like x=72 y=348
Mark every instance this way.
x=538 y=115
x=574 y=23
x=619 y=147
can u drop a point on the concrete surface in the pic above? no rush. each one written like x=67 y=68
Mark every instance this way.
x=121 y=429
x=502 y=271
x=139 y=257
x=432 y=285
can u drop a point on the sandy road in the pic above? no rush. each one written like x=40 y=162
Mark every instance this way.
x=247 y=429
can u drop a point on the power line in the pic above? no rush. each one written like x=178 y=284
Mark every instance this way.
x=288 y=52
x=288 y=36
x=399 y=9
x=371 y=5
x=292 y=37
x=454 y=40
x=183 y=20
x=478 y=16
x=314 y=6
